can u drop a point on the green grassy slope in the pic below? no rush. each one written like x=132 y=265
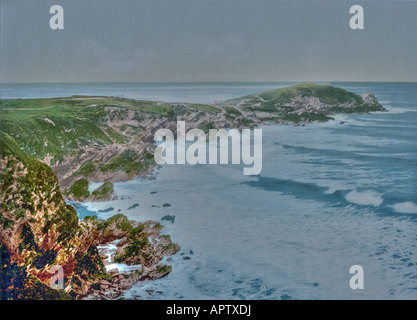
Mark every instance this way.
x=58 y=126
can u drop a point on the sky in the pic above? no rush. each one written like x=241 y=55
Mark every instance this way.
x=207 y=41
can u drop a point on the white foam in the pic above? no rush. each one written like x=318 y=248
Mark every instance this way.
x=405 y=207
x=121 y=267
x=399 y=110
x=365 y=198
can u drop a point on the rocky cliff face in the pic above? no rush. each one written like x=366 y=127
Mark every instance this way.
x=38 y=231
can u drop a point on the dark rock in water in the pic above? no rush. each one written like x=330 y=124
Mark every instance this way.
x=153 y=192
x=186 y=258
x=106 y=210
x=120 y=210
x=166 y=205
x=168 y=218
x=133 y=207
x=154 y=206
x=315 y=284
x=191 y=252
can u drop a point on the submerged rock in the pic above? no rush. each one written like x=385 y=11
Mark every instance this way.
x=168 y=218
x=133 y=207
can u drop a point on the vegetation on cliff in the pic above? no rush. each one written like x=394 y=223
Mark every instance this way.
x=38 y=230
x=304 y=103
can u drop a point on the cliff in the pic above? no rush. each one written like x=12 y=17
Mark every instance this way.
x=38 y=230
x=302 y=104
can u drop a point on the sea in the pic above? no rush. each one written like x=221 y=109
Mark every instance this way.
x=330 y=196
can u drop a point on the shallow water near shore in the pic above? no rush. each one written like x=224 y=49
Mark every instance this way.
x=330 y=195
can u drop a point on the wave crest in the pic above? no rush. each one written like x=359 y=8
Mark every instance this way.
x=405 y=207
x=365 y=198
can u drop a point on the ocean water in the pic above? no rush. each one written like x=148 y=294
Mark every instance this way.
x=167 y=92
x=330 y=195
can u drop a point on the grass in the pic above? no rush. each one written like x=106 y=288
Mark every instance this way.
x=126 y=161
x=86 y=168
x=276 y=102
x=280 y=97
x=129 y=162
x=205 y=107
x=121 y=221
x=59 y=126
x=54 y=126
x=79 y=189
x=163 y=268
x=232 y=111
x=132 y=250
x=206 y=126
x=105 y=190
x=326 y=94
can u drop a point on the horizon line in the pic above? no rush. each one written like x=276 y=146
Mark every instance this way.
x=204 y=82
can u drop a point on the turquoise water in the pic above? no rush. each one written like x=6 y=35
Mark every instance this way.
x=330 y=195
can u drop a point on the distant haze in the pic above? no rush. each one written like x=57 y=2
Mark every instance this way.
x=207 y=41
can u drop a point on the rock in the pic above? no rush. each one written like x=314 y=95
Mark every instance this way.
x=369 y=97
x=166 y=205
x=168 y=218
x=133 y=207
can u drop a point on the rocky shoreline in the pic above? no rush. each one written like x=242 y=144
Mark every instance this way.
x=134 y=256
x=110 y=139
x=39 y=231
